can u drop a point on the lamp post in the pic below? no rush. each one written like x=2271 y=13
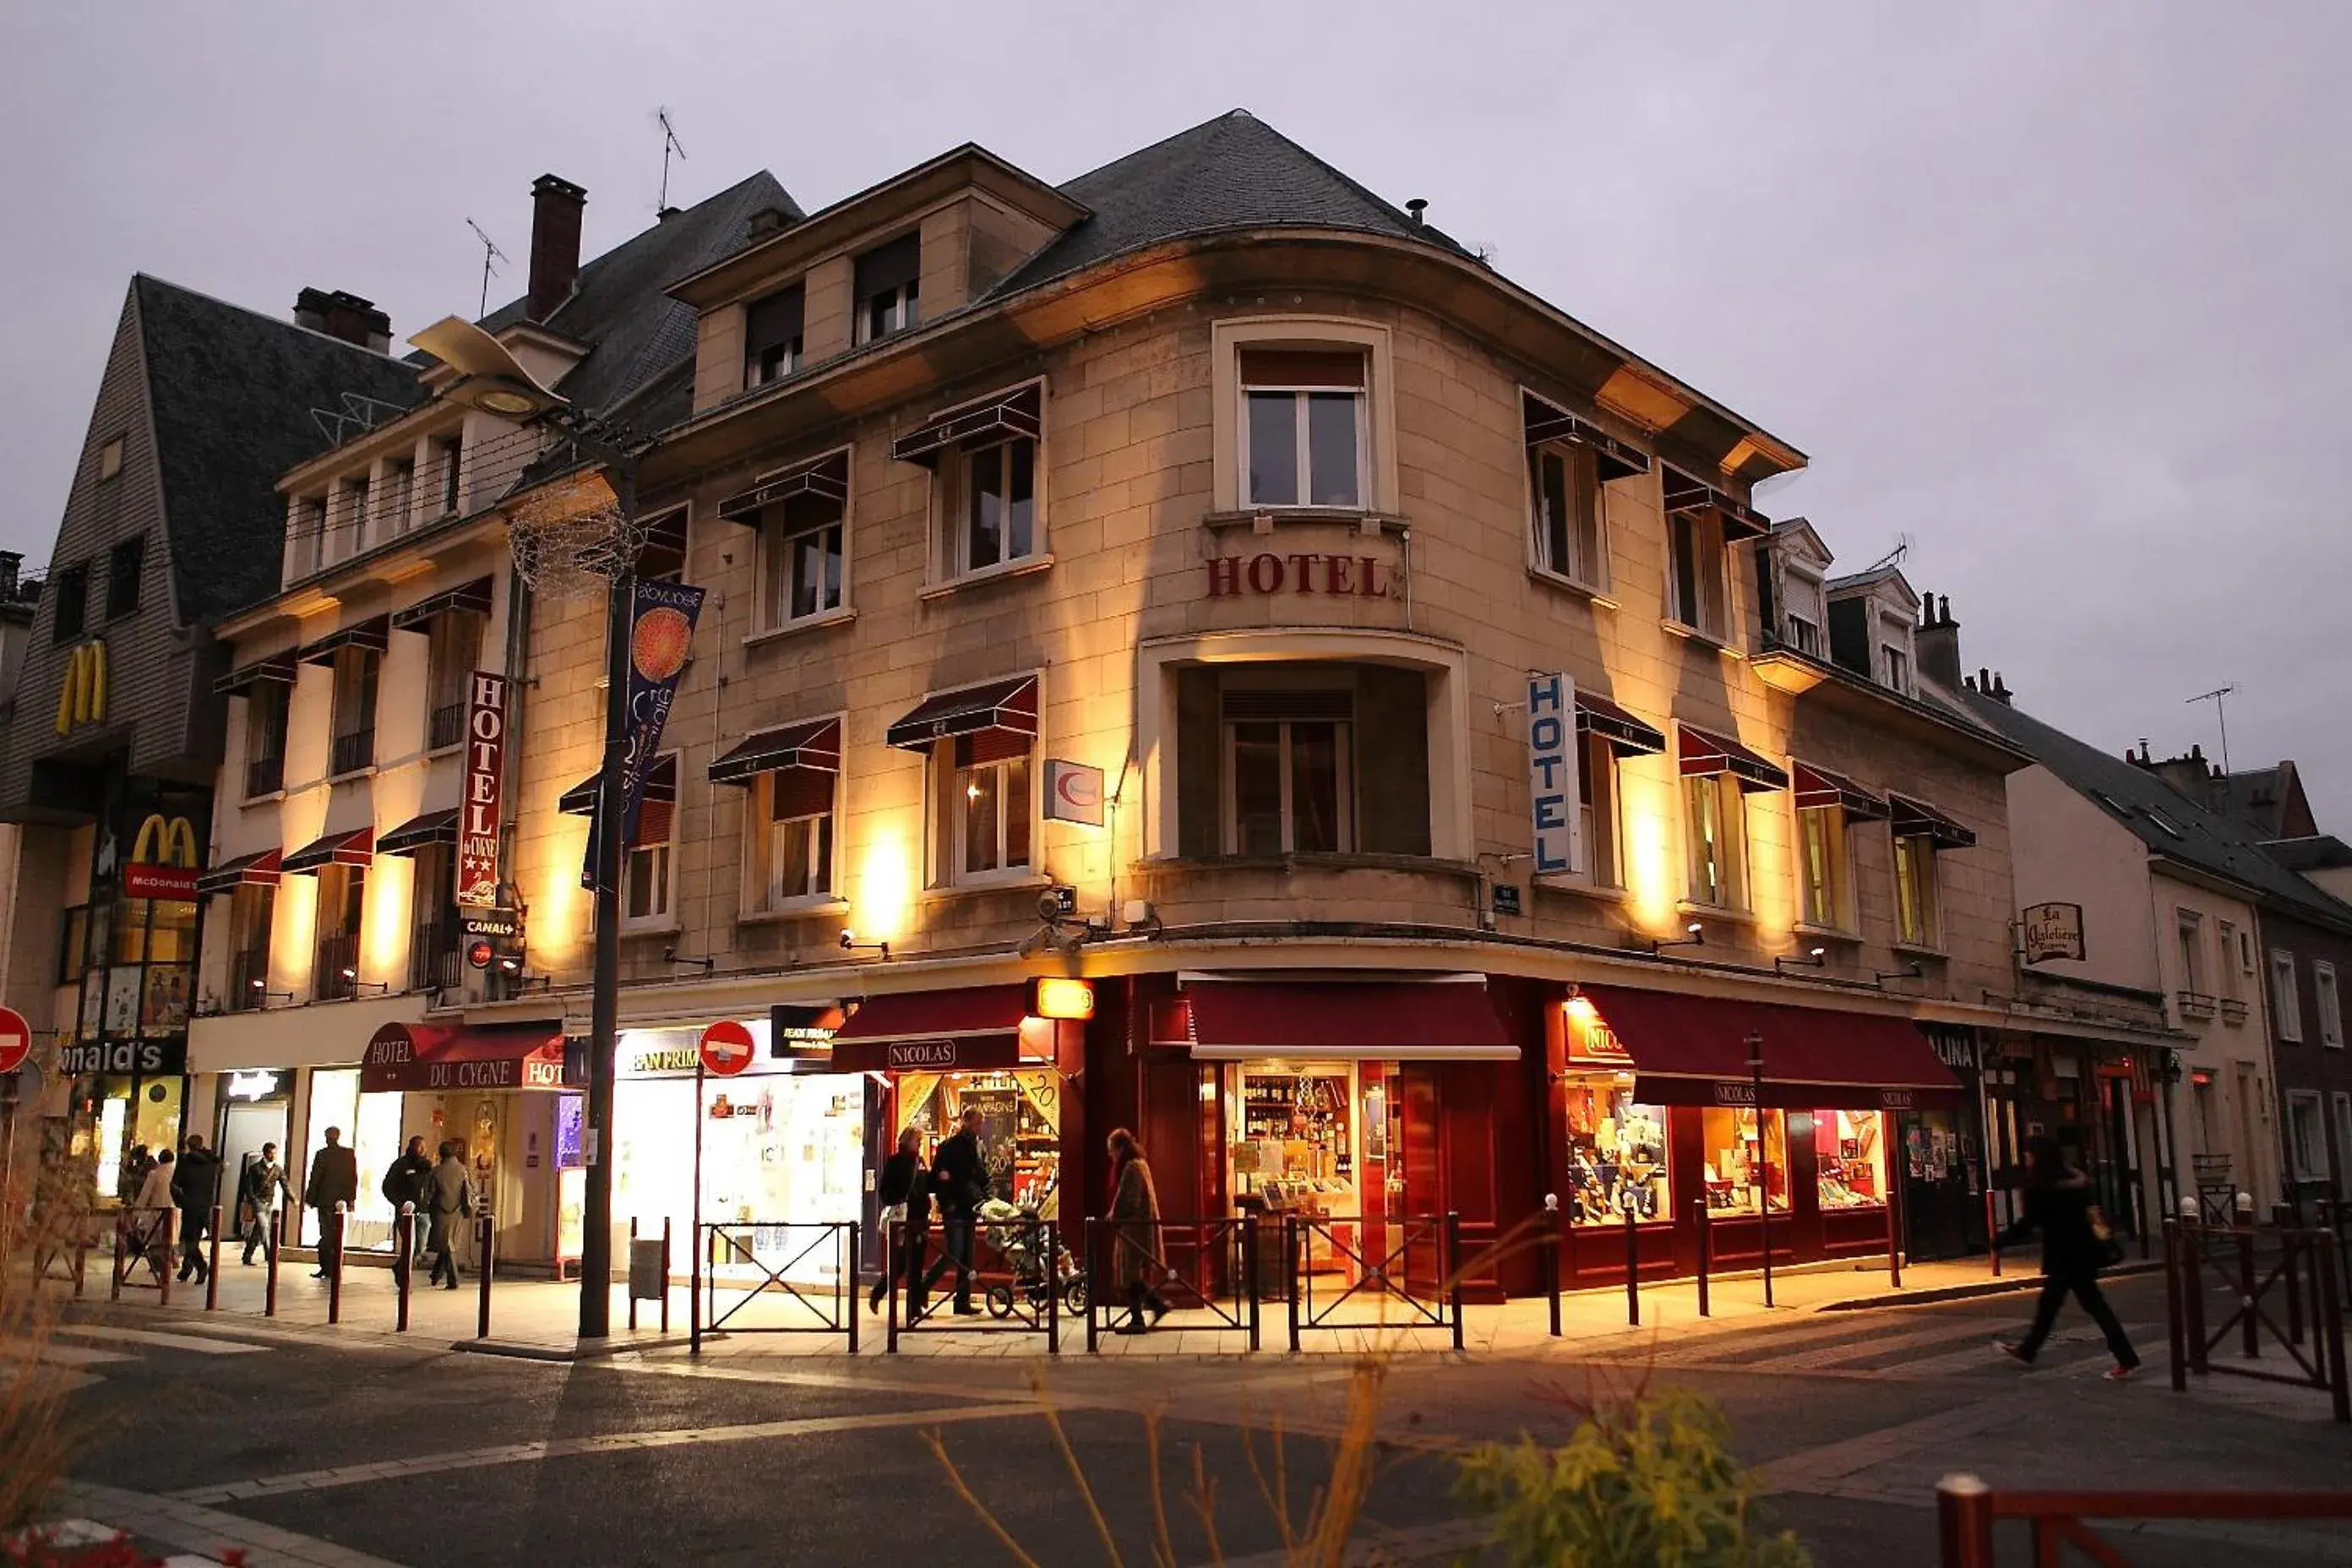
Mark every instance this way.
x=1763 y=1158
x=490 y=379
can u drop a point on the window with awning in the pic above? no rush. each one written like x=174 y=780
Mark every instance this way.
x=824 y=478
x=1819 y=789
x=1826 y=803
x=277 y=670
x=372 y=635
x=260 y=869
x=471 y=598
x=1911 y=818
x=353 y=847
x=1000 y=416
x=1686 y=495
x=1007 y=707
x=1597 y=715
x=1693 y=1050
x=417 y=832
x=1703 y=752
x=790 y=773
x=657 y=806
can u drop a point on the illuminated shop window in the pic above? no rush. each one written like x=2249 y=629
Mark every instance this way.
x=1737 y=1166
x=1850 y=1157
x=1616 y=1153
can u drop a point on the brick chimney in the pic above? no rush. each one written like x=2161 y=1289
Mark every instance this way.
x=555 y=205
x=12 y=562
x=1937 y=640
x=343 y=314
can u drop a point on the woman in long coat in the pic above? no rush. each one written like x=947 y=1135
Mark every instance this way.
x=1138 y=1261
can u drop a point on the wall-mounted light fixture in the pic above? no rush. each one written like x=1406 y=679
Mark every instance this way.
x=1694 y=935
x=1816 y=958
x=1911 y=971
x=849 y=944
x=672 y=955
x=381 y=987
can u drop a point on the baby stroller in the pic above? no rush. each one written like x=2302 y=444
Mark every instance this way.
x=1014 y=1232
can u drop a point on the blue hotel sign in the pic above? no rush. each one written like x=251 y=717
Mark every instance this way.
x=1551 y=770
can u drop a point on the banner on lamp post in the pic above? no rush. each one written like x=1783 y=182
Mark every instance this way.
x=477 y=816
x=661 y=637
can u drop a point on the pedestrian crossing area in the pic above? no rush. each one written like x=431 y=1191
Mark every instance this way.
x=1900 y=1347
x=76 y=1352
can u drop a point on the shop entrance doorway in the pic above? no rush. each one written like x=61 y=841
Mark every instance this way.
x=245 y=1126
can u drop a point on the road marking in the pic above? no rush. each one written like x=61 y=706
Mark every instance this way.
x=1873 y=1345
x=1968 y=1359
x=167 y=1341
x=1808 y=1469
x=186 y=1527
x=234 y=1492
x=55 y=1355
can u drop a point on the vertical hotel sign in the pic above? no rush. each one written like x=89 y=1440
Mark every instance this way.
x=661 y=637
x=1551 y=770
x=478 y=824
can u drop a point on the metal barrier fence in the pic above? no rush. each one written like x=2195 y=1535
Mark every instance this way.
x=1374 y=1273
x=1967 y=1509
x=826 y=1246
x=2298 y=1281
x=1215 y=1267
x=143 y=1233
x=1025 y=1272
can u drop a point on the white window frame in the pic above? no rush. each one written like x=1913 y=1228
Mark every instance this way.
x=1301 y=402
x=776 y=572
x=955 y=480
x=1838 y=846
x=2306 y=1146
x=2225 y=937
x=1343 y=770
x=956 y=842
x=1898 y=664
x=1712 y=568
x=1930 y=914
x=399 y=494
x=2330 y=1002
x=357 y=496
x=2286 y=1006
x=904 y=305
x=2188 y=946
x=1581 y=472
x=1601 y=862
x=1731 y=868
x=664 y=916
x=825 y=838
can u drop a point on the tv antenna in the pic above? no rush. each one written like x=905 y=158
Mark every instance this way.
x=489 y=248
x=1893 y=557
x=2219 y=698
x=670 y=143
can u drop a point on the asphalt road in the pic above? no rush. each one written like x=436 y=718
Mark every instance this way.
x=748 y=1460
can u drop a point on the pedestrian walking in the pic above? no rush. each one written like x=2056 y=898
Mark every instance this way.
x=409 y=1179
x=958 y=1186
x=2061 y=1203
x=449 y=1198
x=196 y=1188
x=265 y=1183
x=334 y=1179
x=149 y=1204
x=133 y=1177
x=904 y=1191
x=1137 y=1260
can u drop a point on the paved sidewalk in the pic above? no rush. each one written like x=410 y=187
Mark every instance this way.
x=539 y=1318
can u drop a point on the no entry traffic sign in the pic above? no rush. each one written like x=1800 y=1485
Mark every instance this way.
x=726 y=1047
x=16 y=1040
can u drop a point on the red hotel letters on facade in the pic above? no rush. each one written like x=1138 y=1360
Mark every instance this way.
x=1301 y=572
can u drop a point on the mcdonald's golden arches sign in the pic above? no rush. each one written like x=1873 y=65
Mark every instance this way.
x=81 y=699
x=162 y=861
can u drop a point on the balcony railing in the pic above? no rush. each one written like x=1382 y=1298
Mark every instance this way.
x=433 y=961
x=354 y=752
x=248 y=980
x=263 y=776
x=2233 y=1011
x=445 y=726
x=332 y=981
x=2195 y=1005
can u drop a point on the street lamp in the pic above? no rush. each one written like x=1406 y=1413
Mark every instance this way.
x=492 y=380
x=1763 y=1158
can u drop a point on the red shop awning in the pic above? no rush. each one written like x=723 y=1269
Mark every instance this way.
x=1448 y=1019
x=974 y=1028
x=423 y=1058
x=1693 y=1050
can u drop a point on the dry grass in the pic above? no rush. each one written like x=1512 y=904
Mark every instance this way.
x=42 y=1217
x=1316 y=1531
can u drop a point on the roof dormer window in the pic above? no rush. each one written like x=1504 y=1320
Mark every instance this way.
x=772 y=336
x=1894 y=653
x=888 y=289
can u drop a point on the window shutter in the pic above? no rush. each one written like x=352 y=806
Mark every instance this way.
x=653 y=824
x=799 y=792
x=890 y=266
x=1302 y=367
x=773 y=320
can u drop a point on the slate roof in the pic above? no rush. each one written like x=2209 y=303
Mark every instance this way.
x=232 y=391
x=2269 y=799
x=2315 y=853
x=2129 y=794
x=620 y=305
x=1235 y=172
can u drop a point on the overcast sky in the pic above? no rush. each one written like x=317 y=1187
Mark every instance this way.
x=2057 y=293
